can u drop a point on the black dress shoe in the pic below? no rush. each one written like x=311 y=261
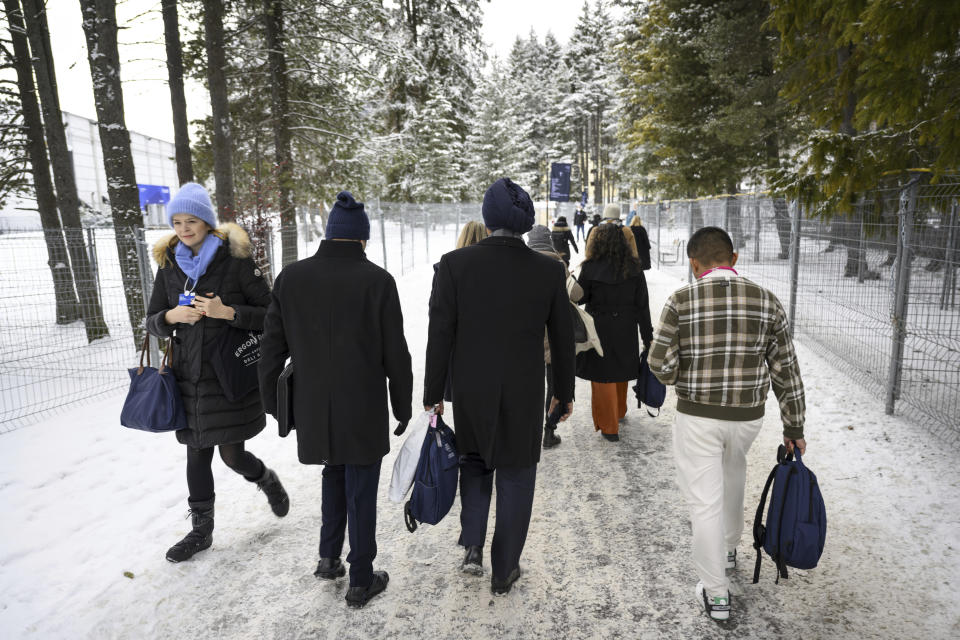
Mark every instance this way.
x=500 y=588
x=550 y=437
x=612 y=437
x=330 y=569
x=473 y=561
x=357 y=597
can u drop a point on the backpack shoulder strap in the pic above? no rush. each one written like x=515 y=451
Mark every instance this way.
x=759 y=531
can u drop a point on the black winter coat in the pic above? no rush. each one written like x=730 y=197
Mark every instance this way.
x=232 y=275
x=489 y=305
x=618 y=306
x=562 y=238
x=643 y=245
x=338 y=317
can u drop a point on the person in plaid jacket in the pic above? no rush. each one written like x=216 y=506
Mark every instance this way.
x=722 y=342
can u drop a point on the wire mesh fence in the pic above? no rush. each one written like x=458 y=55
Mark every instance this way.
x=875 y=291
x=48 y=362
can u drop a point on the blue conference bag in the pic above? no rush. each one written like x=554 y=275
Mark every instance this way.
x=435 y=481
x=153 y=400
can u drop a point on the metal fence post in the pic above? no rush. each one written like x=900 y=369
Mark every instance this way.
x=426 y=231
x=403 y=252
x=756 y=230
x=92 y=256
x=146 y=284
x=459 y=208
x=908 y=204
x=862 y=246
x=690 y=204
x=794 y=264
x=948 y=290
x=383 y=235
x=659 y=250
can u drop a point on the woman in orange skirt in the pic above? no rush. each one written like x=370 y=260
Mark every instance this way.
x=615 y=294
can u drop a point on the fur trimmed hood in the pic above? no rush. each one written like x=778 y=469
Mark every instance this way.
x=233 y=234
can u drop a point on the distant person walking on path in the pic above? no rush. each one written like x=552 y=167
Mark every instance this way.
x=206 y=283
x=594 y=221
x=642 y=241
x=489 y=305
x=615 y=294
x=539 y=240
x=723 y=340
x=580 y=219
x=562 y=239
x=337 y=316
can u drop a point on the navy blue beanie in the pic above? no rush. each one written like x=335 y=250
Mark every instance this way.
x=507 y=206
x=348 y=220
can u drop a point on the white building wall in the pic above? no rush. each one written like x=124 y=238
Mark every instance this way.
x=153 y=160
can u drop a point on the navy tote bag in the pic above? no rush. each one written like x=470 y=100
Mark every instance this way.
x=153 y=402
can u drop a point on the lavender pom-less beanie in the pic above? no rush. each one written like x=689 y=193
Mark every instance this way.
x=194 y=200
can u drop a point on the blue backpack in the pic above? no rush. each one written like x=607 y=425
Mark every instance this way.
x=796 y=521
x=435 y=481
x=649 y=390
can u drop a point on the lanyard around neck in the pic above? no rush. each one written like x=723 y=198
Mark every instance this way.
x=717 y=269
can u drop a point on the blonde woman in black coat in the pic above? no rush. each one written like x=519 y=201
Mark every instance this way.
x=206 y=283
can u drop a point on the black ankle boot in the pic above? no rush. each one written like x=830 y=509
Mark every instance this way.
x=550 y=437
x=269 y=483
x=200 y=538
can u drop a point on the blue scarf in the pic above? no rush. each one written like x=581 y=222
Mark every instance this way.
x=196 y=265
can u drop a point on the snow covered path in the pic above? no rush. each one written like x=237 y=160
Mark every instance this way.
x=84 y=500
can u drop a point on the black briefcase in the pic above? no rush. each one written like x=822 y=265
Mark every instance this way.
x=285 y=401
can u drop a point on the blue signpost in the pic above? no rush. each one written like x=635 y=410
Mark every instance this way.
x=560 y=181
x=153 y=194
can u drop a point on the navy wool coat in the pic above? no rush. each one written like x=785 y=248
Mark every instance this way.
x=337 y=316
x=489 y=305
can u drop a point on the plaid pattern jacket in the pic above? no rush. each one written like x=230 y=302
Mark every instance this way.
x=722 y=341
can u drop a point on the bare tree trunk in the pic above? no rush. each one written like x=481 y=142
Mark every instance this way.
x=67 y=305
x=220 y=108
x=273 y=17
x=178 y=101
x=63 y=177
x=100 y=29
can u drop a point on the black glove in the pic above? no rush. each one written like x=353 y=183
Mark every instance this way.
x=400 y=428
x=646 y=347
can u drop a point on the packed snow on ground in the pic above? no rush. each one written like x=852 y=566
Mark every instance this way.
x=89 y=509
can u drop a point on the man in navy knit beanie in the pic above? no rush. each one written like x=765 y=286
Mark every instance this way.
x=337 y=316
x=348 y=220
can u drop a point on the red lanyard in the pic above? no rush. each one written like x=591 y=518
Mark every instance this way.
x=718 y=269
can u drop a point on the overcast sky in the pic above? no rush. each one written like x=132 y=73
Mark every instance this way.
x=143 y=65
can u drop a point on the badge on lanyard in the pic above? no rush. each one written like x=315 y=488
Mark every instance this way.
x=186 y=298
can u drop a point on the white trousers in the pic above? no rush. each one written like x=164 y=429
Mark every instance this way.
x=711 y=459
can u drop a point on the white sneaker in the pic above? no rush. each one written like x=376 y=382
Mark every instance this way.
x=717 y=608
x=732 y=559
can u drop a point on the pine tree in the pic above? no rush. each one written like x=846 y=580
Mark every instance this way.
x=879 y=83
x=68 y=202
x=491 y=148
x=100 y=30
x=67 y=305
x=438 y=154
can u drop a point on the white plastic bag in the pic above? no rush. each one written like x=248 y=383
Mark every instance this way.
x=405 y=466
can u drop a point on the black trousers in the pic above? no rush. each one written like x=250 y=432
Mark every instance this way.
x=349 y=502
x=200 y=471
x=515 y=488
